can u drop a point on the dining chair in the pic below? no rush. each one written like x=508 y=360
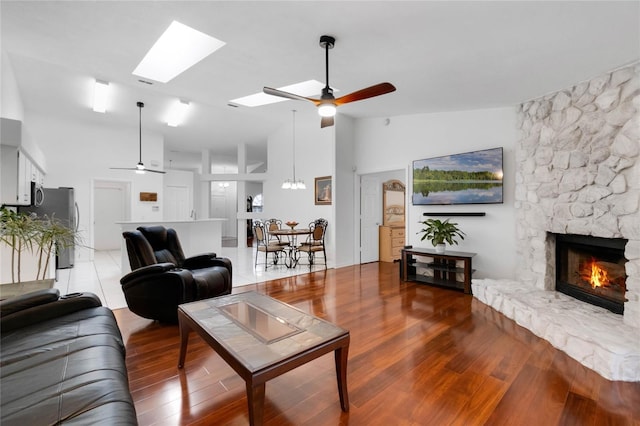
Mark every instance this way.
x=315 y=241
x=273 y=225
x=263 y=246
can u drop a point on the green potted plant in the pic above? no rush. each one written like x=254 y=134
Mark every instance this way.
x=16 y=233
x=439 y=232
x=39 y=236
x=51 y=234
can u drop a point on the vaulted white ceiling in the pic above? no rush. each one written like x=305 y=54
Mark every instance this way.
x=441 y=56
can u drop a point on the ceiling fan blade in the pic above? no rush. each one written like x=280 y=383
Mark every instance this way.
x=280 y=93
x=326 y=122
x=369 y=92
x=136 y=169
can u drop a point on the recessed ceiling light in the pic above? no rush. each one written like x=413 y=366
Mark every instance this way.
x=178 y=48
x=305 y=88
x=177 y=113
x=100 y=94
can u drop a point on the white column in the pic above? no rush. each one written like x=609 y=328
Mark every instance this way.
x=205 y=187
x=242 y=195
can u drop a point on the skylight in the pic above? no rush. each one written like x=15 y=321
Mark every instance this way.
x=178 y=49
x=305 y=88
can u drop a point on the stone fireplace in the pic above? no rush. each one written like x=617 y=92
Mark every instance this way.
x=578 y=174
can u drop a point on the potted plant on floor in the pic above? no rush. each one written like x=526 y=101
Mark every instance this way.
x=439 y=232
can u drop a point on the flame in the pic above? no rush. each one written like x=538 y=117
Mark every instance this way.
x=595 y=275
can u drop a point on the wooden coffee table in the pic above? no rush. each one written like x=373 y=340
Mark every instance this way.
x=262 y=338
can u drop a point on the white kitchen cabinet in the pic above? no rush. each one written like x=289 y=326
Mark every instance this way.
x=18 y=171
x=9 y=174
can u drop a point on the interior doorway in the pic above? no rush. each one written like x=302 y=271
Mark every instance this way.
x=177 y=205
x=110 y=205
x=371 y=211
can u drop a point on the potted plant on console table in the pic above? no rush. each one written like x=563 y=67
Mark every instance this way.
x=439 y=232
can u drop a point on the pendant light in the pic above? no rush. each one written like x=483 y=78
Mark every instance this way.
x=293 y=183
x=139 y=168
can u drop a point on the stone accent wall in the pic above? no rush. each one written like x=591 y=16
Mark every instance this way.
x=578 y=172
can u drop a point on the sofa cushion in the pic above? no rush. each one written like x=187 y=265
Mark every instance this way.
x=35 y=308
x=67 y=370
x=26 y=301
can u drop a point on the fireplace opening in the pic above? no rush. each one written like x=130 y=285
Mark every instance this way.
x=592 y=269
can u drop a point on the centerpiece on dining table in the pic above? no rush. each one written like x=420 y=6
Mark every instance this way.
x=291 y=224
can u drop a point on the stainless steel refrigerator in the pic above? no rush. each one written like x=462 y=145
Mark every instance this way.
x=60 y=204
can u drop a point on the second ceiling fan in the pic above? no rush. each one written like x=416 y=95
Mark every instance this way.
x=139 y=168
x=327 y=103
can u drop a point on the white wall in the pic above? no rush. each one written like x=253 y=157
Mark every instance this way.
x=380 y=147
x=314 y=158
x=79 y=152
x=11 y=106
x=11 y=102
x=345 y=191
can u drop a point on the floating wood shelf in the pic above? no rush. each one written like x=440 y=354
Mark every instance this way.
x=455 y=214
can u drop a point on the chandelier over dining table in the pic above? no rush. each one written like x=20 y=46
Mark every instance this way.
x=294 y=183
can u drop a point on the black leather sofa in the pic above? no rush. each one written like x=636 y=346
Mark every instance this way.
x=62 y=361
x=163 y=278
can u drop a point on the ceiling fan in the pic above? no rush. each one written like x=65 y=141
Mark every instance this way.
x=327 y=103
x=139 y=168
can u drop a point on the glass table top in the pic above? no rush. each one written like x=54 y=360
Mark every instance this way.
x=259 y=330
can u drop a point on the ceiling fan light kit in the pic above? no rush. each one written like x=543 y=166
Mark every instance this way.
x=327 y=104
x=327 y=110
x=139 y=168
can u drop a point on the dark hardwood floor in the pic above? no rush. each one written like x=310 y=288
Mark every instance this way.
x=419 y=355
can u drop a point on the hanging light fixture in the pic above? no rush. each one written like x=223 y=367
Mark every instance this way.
x=293 y=183
x=139 y=168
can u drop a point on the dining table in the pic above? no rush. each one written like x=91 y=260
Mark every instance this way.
x=293 y=254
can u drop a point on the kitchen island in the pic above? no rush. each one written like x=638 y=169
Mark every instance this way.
x=196 y=236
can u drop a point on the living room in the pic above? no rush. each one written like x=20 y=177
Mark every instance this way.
x=479 y=106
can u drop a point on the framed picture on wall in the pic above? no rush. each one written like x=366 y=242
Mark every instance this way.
x=323 y=191
x=149 y=196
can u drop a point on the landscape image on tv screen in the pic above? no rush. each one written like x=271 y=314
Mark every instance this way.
x=469 y=178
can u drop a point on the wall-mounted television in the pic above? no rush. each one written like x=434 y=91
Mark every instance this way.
x=468 y=178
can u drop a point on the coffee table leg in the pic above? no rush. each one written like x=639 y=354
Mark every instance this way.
x=255 y=398
x=341 y=355
x=184 y=339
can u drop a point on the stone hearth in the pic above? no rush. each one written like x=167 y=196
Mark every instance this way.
x=595 y=337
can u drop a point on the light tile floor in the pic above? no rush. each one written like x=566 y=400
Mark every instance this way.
x=102 y=275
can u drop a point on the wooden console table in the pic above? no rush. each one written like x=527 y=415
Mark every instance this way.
x=448 y=269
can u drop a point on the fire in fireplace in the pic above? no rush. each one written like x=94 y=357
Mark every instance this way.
x=592 y=269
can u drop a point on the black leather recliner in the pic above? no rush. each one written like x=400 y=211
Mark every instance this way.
x=162 y=278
